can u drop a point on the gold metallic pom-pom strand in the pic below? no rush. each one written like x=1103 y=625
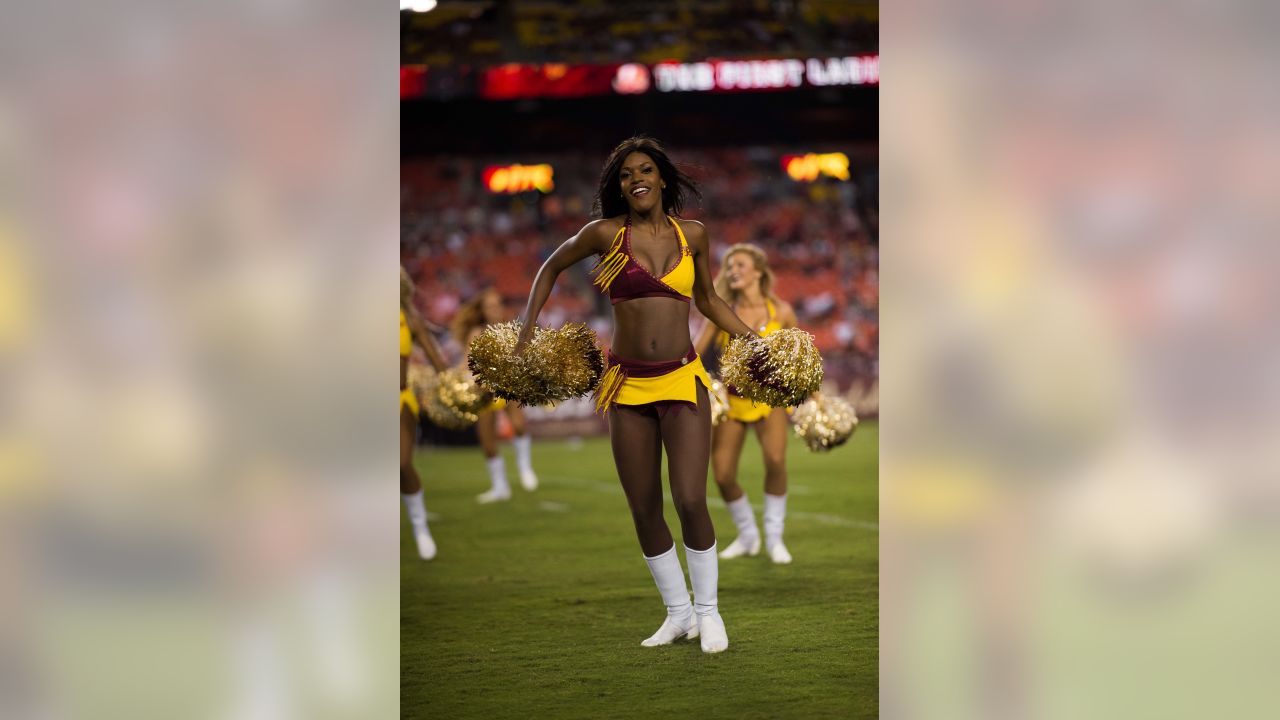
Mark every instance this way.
x=824 y=422
x=719 y=396
x=451 y=398
x=779 y=370
x=557 y=364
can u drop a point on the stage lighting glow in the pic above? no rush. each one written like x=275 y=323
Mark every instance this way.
x=418 y=5
x=806 y=168
x=510 y=179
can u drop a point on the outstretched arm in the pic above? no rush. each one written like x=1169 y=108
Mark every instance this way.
x=704 y=293
x=592 y=239
x=418 y=328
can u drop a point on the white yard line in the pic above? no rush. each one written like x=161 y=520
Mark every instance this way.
x=553 y=506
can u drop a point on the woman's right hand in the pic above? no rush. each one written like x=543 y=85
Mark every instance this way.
x=522 y=342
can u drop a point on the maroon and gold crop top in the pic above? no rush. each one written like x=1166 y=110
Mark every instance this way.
x=626 y=279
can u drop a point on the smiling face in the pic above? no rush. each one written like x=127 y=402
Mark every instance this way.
x=640 y=182
x=740 y=268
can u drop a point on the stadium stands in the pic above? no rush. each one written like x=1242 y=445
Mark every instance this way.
x=821 y=237
x=480 y=32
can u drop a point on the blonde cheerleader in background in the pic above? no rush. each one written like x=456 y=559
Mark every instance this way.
x=482 y=310
x=412 y=329
x=745 y=282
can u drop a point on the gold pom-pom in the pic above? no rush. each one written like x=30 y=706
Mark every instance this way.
x=458 y=390
x=453 y=400
x=824 y=422
x=779 y=370
x=556 y=366
x=719 y=396
x=419 y=377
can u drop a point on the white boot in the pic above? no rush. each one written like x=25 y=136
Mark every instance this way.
x=775 y=515
x=680 y=621
x=704 y=573
x=748 y=540
x=778 y=553
x=499 y=490
x=739 y=547
x=418 y=519
x=524 y=462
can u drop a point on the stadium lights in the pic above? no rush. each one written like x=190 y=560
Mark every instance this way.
x=418 y=5
x=511 y=179
x=806 y=168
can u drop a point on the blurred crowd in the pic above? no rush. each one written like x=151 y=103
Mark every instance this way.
x=480 y=33
x=821 y=238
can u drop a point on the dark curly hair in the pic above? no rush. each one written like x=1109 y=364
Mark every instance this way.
x=609 y=201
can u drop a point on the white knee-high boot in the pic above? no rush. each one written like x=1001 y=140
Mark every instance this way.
x=775 y=517
x=669 y=577
x=418 y=518
x=524 y=461
x=499 y=490
x=748 y=540
x=704 y=573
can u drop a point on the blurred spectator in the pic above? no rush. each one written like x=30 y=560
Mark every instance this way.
x=457 y=238
x=480 y=32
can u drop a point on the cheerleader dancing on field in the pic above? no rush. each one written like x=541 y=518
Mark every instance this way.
x=483 y=310
x=655 y=388
x=412 y=329
x=746 y=283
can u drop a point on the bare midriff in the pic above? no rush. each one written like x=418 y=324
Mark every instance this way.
x=651 y=329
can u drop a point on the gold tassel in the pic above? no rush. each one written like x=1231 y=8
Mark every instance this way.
x=610 y=386
x=611 y=264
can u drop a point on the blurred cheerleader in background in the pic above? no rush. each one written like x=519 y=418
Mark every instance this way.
x=472 y=318
x=745 y=282
x=412 y=329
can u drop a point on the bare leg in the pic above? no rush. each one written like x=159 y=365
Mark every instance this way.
x=487 y=432
x=726 y=448
x=516 y=415
x=409 y=481
x=772 y=432
x=411 y=486
x=687 y=437
x=523 y=445
x=637 y=452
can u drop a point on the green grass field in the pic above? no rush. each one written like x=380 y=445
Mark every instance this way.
x=535 y=608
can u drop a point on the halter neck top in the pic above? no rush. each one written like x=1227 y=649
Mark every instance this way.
x=625 y=278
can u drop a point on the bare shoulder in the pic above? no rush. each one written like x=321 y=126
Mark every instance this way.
x=786 y=312
x=598 y=234
x=695 y=232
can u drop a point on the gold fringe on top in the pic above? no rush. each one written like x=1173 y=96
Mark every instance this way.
x=611 y=264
